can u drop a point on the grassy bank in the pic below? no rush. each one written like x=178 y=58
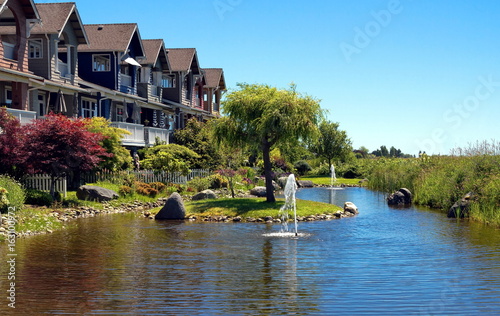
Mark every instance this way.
x=439 y=181
x=254 y=207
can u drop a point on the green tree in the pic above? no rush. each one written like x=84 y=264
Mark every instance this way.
x=120 y=157
x=333 y=143
x=170 y=157
x=264 y=117
x=198 y=137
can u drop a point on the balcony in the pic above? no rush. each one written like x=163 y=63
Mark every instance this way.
x=25 y=117
x=151 y=133
x=137 y=136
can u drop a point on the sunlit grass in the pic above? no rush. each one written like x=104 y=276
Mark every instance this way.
x=323 y=180
x=254 y=207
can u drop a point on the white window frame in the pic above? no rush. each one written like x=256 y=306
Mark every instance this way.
x=35 y=49
x=104 y=64
x=7 y=91
x=89 y=108
x=120 y=110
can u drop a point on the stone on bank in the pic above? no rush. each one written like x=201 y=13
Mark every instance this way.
x=173 y=209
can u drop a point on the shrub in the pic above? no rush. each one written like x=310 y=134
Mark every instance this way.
x=158 y=186
x=15 y=194
x=322 y=170
x=145 y=189
x=37 y=197
x=125 y=190
x=217 y=181
x=199 y=184
x=4 y=202
x=173 y=187
x=302 y=167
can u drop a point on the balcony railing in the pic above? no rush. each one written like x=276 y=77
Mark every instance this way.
x=151 y=133
x=63 y=69
x=126 y=80
x=137 y=136
x=24 y=117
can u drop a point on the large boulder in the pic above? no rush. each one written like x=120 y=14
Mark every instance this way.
x=173 y=209
x=282 y=182
x=461 y=207
x=95 y=193
x=258 y=191
x=204 y=195
x=402 y=197
x=350 y=207
x=305 y=183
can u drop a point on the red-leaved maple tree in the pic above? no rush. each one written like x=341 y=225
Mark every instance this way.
x=58 y=145
x=12 y=155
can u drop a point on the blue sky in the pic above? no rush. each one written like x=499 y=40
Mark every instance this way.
x=413 y=74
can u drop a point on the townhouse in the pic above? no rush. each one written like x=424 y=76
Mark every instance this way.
x=51 y=62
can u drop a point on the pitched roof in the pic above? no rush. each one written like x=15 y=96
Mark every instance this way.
x=154 y=50
x=28 y=6
x=54 y=18
x=182 y=59
x=109 y=37
x=215 y=78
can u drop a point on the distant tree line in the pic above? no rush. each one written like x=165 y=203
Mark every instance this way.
x=363 y=152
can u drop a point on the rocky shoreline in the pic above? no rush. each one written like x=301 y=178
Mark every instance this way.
x=143 y=209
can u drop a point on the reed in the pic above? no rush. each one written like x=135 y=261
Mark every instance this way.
x=439 y=181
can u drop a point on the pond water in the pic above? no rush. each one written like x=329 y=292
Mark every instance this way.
x=383 y=261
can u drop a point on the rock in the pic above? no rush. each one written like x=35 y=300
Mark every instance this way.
x=282 y=181
x=258 y=191
x=401 y=197
x=349 y=207
x=305 y=183
x=173 y=209
x=276 y=186
x=461 y=207
x=95 y=193
x=204 y=195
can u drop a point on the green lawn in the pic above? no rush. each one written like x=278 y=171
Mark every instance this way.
x=254 y=207
x=324 y=180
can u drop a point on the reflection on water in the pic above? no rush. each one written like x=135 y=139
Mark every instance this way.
x=383 y=261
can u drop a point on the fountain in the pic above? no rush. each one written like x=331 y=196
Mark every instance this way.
x=290 y=203
x=334 y=177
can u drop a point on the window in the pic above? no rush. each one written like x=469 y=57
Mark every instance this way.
x=8 y=95
x=35 y=49
x=119 y=113
x=101 y=63
x=168 y=82
x=89 y=108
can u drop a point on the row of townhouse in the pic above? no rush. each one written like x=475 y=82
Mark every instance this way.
x=51 y=61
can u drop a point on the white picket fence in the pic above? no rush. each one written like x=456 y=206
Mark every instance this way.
x=42 y=182
x=147 y=176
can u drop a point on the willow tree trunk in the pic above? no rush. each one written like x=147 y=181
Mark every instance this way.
x=268 y=172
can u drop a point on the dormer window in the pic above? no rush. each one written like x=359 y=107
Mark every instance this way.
x=101 y=62
x=35 y=49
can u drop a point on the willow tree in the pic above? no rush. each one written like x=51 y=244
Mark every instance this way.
x=265 y=117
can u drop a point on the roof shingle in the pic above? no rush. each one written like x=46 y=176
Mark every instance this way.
x=108 y=37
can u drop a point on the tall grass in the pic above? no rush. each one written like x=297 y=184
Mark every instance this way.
x=439 y=181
